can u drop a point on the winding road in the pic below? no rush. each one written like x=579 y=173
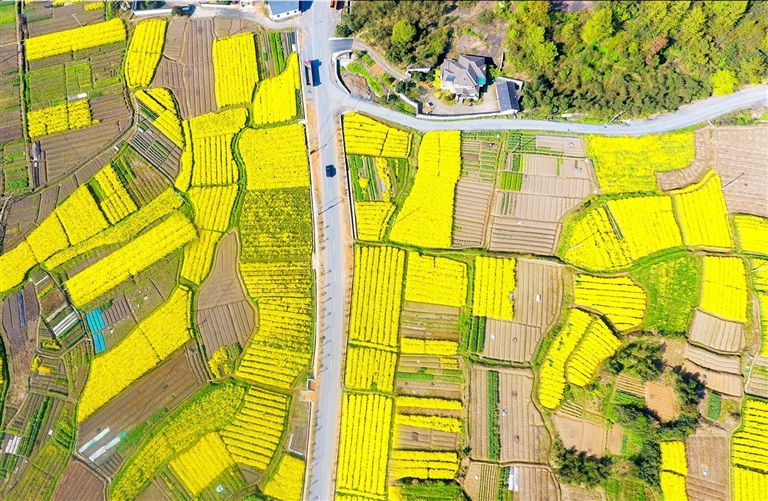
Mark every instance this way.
x=329 y=100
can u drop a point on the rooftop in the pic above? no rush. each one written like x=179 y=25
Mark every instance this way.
x=277 y=7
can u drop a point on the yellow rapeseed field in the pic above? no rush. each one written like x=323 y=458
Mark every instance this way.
x=287 y=483
x=647 y=224
x=597 y=346
x=202 y=463
x=433 y=404
x=160 y=102
x=370 y=369
x=58 y=118
x=234 y=64
x=750 y=441
x=15 y=265
x=702 y=213
x=80 y=215
x=426 y=218
x=748 y=485
x=213 y=206
x=118 y=202
x=673 y=457
x=372 y=219
x=269 y=166
x=376 y=293
x=752 y=232
x=493 y=287
x=276 y=100
x=144 y=52
x=198 y=256
x=366 y=136
x=130 y=259
x=366 y=425
x=446 y=424
x=618 y=298
x=628 y=164
x=424 y=464
x=436 y=280
x=591 y=243
x=153 y=340
x=47 y=239
x=252 y=438
x=84 y=37
x=552 y=382
x=217 y=124
x=673 y=486
x=724 y=289
x=409 y=346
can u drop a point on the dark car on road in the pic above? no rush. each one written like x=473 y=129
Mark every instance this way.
x=330 y=170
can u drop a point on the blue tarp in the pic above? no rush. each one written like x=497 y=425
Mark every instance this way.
x=98 y=343
x=95 y=321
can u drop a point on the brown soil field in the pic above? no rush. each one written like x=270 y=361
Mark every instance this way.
x=357 y=85
x=16 y=417
x=61 y=18
x=20 y=219
x=708 y=465
x=10 y=119
x=470 y=213
x=54 y=383
x=20 y=319
x=630 y=385
x=225 y=316
x=757 y=383
x=510 y=341
x=523 y=434
x=574 y=493
x=581 y=434
x=167 y=386
x=530 y=237
x=81 y=483
x=538 y=292
x=729 y=384
x=298 y=436
x=154 y=492
x=481 y=482
x=174 y=38
x=615 y=439
x=533 y=483
x=148 y=183
x=437 y=389
x=661 y=400
x=704 y=358
x=146 y=143
x=568 y=146
x=716 y=333
x=430 y=321
x=411 y=437
x=739 y=154
x=478 y=413
x=191 y=78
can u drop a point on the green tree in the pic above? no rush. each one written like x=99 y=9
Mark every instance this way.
x=641 y=358
x=403 y=33
x=724 y=82
x=598 y=27
x=752 y=68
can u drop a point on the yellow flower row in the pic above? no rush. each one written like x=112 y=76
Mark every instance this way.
x=599 y=345
x=426 y=218
x=440 y=423
x=150 y=342
x=366 y=136
x=160 y=102
x=703 y=214
x=749 y=485
x=198 y=256
x=364 y=444
x=126 y=230
x=118 y=202
x=436 y=280
x=213 y=163
x=275 y=101
x=268 y=166
x=552 y=382
x=15 y=265
x=372 y=218
x=411 y=346
x=202 y=463
x=752 y=232
x=80 y=215
x=48 y=238
x=144 y=52
x=647 y=224
x=426 y=465
x=287 y=483
x=130 y=259
x=673 y=457
x=84 y=37
x=234 y=64
x=218 y=124
x=272 y=366
x=282 y=279
x=673 y=486
x=370 y=369
x=618 y=298
x=591 y=243
x=437 y=404
x=254 y=435
x=493 y=287
x=184 y=178
x=65 y=116
x=724 y=288
x=376 y=294
x=213 y=206
x=750 y=441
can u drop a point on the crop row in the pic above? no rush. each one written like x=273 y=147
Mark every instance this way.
x=366 y=136
x=410 y=346
x=276 y=101
x=493 y=288
x=598 y=345
x=84 y=37
x=268 y=166
x=202 y=463
x=618 y=298
x=372 y=218
x=724 y=288
x=752 y=232
x=163 y=115
x=552 y=383
x=435 y=280
x=58 y=118
x=370 y=369
x=673 y=457
x=750 y=442
x=117 y=202
x=424 y=465
x=144 y=52
x=234 y=64
x=703 y=214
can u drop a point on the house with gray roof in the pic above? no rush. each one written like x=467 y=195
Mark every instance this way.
x=463 y=76
x=281 y=9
